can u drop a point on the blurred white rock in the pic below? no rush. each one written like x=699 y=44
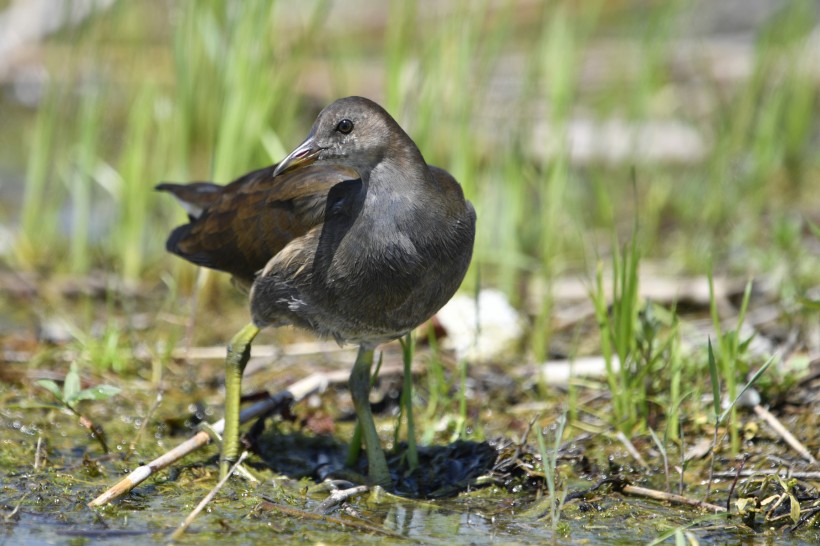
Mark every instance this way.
x=480 y=329
x=560 y=372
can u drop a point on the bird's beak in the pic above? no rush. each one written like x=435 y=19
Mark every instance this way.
x=302 y=156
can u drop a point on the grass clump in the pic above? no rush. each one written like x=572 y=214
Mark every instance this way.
x=617 y=325
x=71 y=394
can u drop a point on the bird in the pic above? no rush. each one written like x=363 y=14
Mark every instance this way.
x=352 y=236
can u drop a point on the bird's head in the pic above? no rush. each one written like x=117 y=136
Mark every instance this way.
x=354 y=132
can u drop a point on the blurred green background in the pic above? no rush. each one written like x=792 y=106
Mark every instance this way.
x=569 y=124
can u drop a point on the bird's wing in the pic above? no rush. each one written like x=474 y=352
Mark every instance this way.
x=194 y=197
x=254 y=217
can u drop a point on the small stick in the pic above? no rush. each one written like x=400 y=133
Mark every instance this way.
x=713 y=454
x=770 y=472
x=38 y=452
x=96 y=431
x=209 y=352
x=621 y=486
x=216 y=352
x=145 y=421
x=208 y=498
x=631 y=449
x=787 y=436
x=670 y=497
x=298 y=391
x=734 y=482
x=7 y=517
x=338 y=496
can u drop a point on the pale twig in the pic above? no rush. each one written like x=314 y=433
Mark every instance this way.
x=338 y=496
x=712 y=452
x=208 y=498
x=769 y=472
x=631 y=449
x=7 y=517
x=623 y=487
x=298 y=391
x=216 y=352
x=670 y=497
x=147 y=419
x=781 y=430
x=38 y=457
x=735 y=480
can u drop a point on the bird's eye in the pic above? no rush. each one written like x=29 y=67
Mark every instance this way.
x=345 y=126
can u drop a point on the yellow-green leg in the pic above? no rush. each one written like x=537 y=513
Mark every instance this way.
x=377 y=471
x=239 y=352
x=407 y=348
x=355 y=447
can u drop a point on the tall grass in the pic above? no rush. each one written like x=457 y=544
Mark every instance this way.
x=549 y=461
x=129 y=240
x=226 y=90
x=617 y=324
x=730 y=356
x=40 y=208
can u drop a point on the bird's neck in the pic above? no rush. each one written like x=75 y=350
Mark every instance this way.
x=403 y=166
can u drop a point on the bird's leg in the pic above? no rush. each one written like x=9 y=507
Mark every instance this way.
x=377 y=471
x=356 y=442
x=239 y=352
x=407 y=348
x=355 y=446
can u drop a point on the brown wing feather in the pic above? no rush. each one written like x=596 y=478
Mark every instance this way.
x=194 y=197
x=254 y=217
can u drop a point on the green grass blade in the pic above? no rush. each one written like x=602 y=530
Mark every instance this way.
x=714 y=377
